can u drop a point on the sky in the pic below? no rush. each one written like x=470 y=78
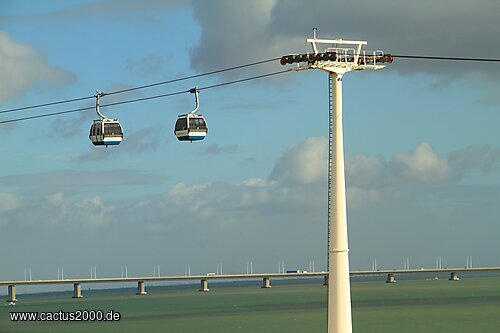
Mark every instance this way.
x=420 y=136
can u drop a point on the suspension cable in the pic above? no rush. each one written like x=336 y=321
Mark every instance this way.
x=145 y=98
x=143 y=86
x=402 y=56
x=445 y=58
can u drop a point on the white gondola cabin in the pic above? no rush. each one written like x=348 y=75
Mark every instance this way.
x=105 y=131
x=191 y=126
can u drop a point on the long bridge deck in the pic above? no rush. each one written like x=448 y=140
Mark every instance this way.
x=205 y=278
x=242 y=276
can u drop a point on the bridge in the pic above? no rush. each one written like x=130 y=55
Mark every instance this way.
x=266 y=278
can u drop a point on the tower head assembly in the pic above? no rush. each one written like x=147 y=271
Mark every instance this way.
x=338 y=56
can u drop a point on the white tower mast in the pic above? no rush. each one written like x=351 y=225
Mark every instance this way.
x=338 y=58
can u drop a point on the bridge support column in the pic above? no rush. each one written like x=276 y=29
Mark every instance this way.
x=204 y=285
x=266 y=282
x=325 y=280
x=141 y=290
x=12 y=293
x=77 y=290
x=454 y=276
x=390 y=278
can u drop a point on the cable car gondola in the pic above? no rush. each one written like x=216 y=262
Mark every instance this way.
x=105 y=131
x=191 y=126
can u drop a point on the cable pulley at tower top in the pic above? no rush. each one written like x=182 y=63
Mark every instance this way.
x=377 y=57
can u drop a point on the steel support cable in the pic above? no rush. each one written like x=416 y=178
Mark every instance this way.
x=145 y=98
x=245 y=79
x=201 y=88
x=190 y=77
x=230 y=69
x=46 y=115
x=422 y=57
x=444 y=58
x=46 y=104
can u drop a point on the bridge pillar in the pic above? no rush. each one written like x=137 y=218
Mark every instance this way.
x=204 y=285
x=454 y=276
x=141 y=290
x=77 y=290
x=266 y=282
x=325 y=280
x=390 y=278
x=12 y=293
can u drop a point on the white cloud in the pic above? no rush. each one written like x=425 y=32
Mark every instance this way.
x=183 y=190
x=56 y=199
x=259 y=182
x=58 y=210
x=420 y=166
x=303 y=163
x=307 y=163
x=23 y=68
x=8 y=202
x=93 y=211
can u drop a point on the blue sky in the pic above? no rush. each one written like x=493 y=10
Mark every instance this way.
x=420 y=137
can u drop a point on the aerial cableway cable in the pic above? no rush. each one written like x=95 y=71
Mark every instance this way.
x=424 y=57
x=146 y=98
x=46 y=115
x=401 y=56
x=190 y=77
x=47 y=104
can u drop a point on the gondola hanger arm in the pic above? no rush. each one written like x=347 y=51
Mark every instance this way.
x=98 y=95
x=195 y=91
